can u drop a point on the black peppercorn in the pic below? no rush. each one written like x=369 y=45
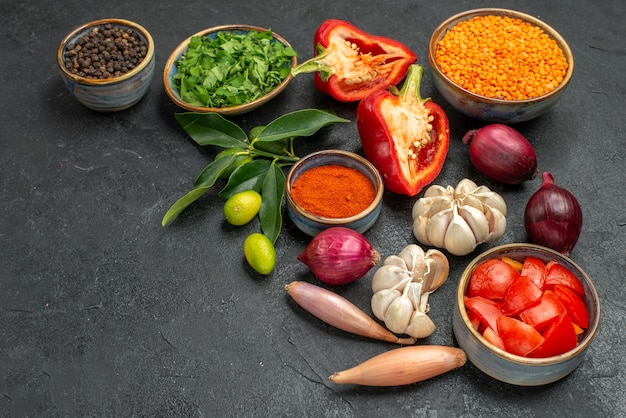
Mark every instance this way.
x=106 y=51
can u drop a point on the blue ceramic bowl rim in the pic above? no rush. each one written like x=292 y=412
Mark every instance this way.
x=507 y=249
x=378 y=186
x=83 y=29
x=170 y=69
x=441 y=30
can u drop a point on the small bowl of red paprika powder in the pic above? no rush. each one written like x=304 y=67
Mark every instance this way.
x=333 y=188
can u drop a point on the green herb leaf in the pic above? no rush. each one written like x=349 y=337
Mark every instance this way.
x=305 y=122
x=212 y=129
x=214 y=170
x=182 y=203
x=272 y=192
x=254 y=132
x=246 y=177
x=230 y=68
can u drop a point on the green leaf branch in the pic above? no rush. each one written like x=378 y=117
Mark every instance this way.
x=249 y=162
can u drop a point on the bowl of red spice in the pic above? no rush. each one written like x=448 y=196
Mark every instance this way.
x=525 y=314
x=499 y=65
x=107 y=64
x=333 y=188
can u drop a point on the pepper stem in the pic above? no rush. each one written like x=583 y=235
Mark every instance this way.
x=315 y=64
x=411 y=87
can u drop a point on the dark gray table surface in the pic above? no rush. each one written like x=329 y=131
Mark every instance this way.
x=103 y=312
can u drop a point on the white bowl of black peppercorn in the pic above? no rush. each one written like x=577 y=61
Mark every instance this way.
x=107 y=64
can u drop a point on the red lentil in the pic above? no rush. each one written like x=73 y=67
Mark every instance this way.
x=501 y=57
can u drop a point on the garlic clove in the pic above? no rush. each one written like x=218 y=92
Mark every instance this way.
x=438 y=269
x=438 y=227
x=497 y=225
x=420 y=230
x=471 y=200
x=413 y=256
x=491 y=199
x=476 y=220
x=428 y=206
x=424 y=306
x=395 y=260
x=459 y=238
x=389 y=276
x=398 y=314
x=464 y=187
x=420 y=326
x=381 y=300
x=422 y=206
x=437 y=190
x=414 y=293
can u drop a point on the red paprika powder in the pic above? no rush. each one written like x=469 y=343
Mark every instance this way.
x=333 y=191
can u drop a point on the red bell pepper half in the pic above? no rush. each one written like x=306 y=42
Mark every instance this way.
x=349 y=63
x=404 y=136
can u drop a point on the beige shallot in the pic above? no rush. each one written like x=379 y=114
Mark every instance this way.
x=403 y=366
x=337 y=311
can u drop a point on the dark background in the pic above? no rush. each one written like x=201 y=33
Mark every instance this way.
x=105 y=313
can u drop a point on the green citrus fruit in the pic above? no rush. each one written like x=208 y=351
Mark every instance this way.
x=241 y=207
x=260 y=253
x=240 y=160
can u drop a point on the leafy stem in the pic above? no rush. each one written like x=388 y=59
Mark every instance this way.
x=253 y=164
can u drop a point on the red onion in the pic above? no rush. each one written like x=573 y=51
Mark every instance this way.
x=553 y=217
x=339 y=255
x=502 y=154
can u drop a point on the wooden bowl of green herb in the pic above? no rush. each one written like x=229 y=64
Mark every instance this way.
x=228 y=69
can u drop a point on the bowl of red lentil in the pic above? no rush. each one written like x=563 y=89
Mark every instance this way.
x=333 y=188
x=107 y=64
x=499 y=65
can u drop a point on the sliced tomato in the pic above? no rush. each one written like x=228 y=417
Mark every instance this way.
x=488 y=311
x=545 y=312
x=491 y=336
x=474 y=319
x=491 y=279
x=556 y=273
x=559 y=338
x=574 y=305
x=522 y=294
x=518 y=337
x=535 y=269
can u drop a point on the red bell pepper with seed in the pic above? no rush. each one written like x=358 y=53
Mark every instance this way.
x=404 y=136
x=349 y=63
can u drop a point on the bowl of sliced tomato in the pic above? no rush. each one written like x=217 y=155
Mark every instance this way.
x=525 y=314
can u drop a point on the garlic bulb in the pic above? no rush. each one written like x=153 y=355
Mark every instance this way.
x=459 y=219
x=401 y=288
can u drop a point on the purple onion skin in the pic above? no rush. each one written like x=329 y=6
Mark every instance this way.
x=339 y=255
x=553 y=217
x=502 y=154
